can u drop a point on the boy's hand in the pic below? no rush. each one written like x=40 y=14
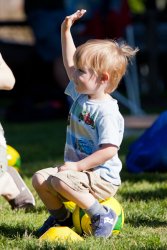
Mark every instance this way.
x=68 y=166
x=69 y=20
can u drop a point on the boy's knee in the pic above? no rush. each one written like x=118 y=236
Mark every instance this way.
x=56 y=183
x=37 y=180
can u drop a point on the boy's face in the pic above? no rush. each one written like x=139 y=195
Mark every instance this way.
x=86 y=81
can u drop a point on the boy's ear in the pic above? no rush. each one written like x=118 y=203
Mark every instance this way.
x=104 y=76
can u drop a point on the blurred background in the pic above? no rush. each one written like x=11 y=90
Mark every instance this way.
x=30 y=44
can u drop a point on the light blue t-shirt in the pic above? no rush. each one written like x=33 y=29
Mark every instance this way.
x=92 y=123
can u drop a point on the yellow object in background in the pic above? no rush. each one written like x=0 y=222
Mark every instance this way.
x=137 y=6
x=60 y=233
x=13 y=158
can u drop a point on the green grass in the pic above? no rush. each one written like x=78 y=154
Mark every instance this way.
x=143 y=196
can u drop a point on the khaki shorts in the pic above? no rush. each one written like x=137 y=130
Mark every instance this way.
x=81 y=182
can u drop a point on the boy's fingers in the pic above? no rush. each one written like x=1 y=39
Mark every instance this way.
x=69 y=20
x=80 y=13
x=76 y=15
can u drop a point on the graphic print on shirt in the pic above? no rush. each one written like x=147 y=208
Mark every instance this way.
x=87 y=118
x=81 y=121
x=84 y=146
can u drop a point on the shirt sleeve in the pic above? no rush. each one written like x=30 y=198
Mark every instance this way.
x=71 y=91
x=110 y=130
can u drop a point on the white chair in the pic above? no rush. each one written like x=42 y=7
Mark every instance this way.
x=132 y=99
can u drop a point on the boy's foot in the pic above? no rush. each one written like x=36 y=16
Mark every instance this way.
x=103 y=224
x=52 y=222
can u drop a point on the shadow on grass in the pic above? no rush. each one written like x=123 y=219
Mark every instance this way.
x=151 y=177
x=13 y=232
x=146 y=195
x=154 y=223
x=36 y=209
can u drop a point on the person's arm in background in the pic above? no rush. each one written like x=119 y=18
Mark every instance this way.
x=68 y=46
x=7 y=79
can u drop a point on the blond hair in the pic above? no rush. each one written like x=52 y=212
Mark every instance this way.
x=105 y=56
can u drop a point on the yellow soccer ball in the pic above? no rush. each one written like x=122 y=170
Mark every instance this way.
x=13 y=158
x=70 y=205
x=82 y=222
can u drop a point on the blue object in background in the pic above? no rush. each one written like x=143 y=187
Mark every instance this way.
x=149 y=152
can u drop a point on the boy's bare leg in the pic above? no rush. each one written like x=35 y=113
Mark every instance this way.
x=83 y=200
x=58 y=212
x=49 y=198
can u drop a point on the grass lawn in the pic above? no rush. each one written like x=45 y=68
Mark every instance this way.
x=143 y=196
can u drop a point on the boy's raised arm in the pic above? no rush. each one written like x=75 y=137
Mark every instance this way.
x=68 y=46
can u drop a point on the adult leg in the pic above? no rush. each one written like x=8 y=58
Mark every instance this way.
x=25 y=198
x=8 y=188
